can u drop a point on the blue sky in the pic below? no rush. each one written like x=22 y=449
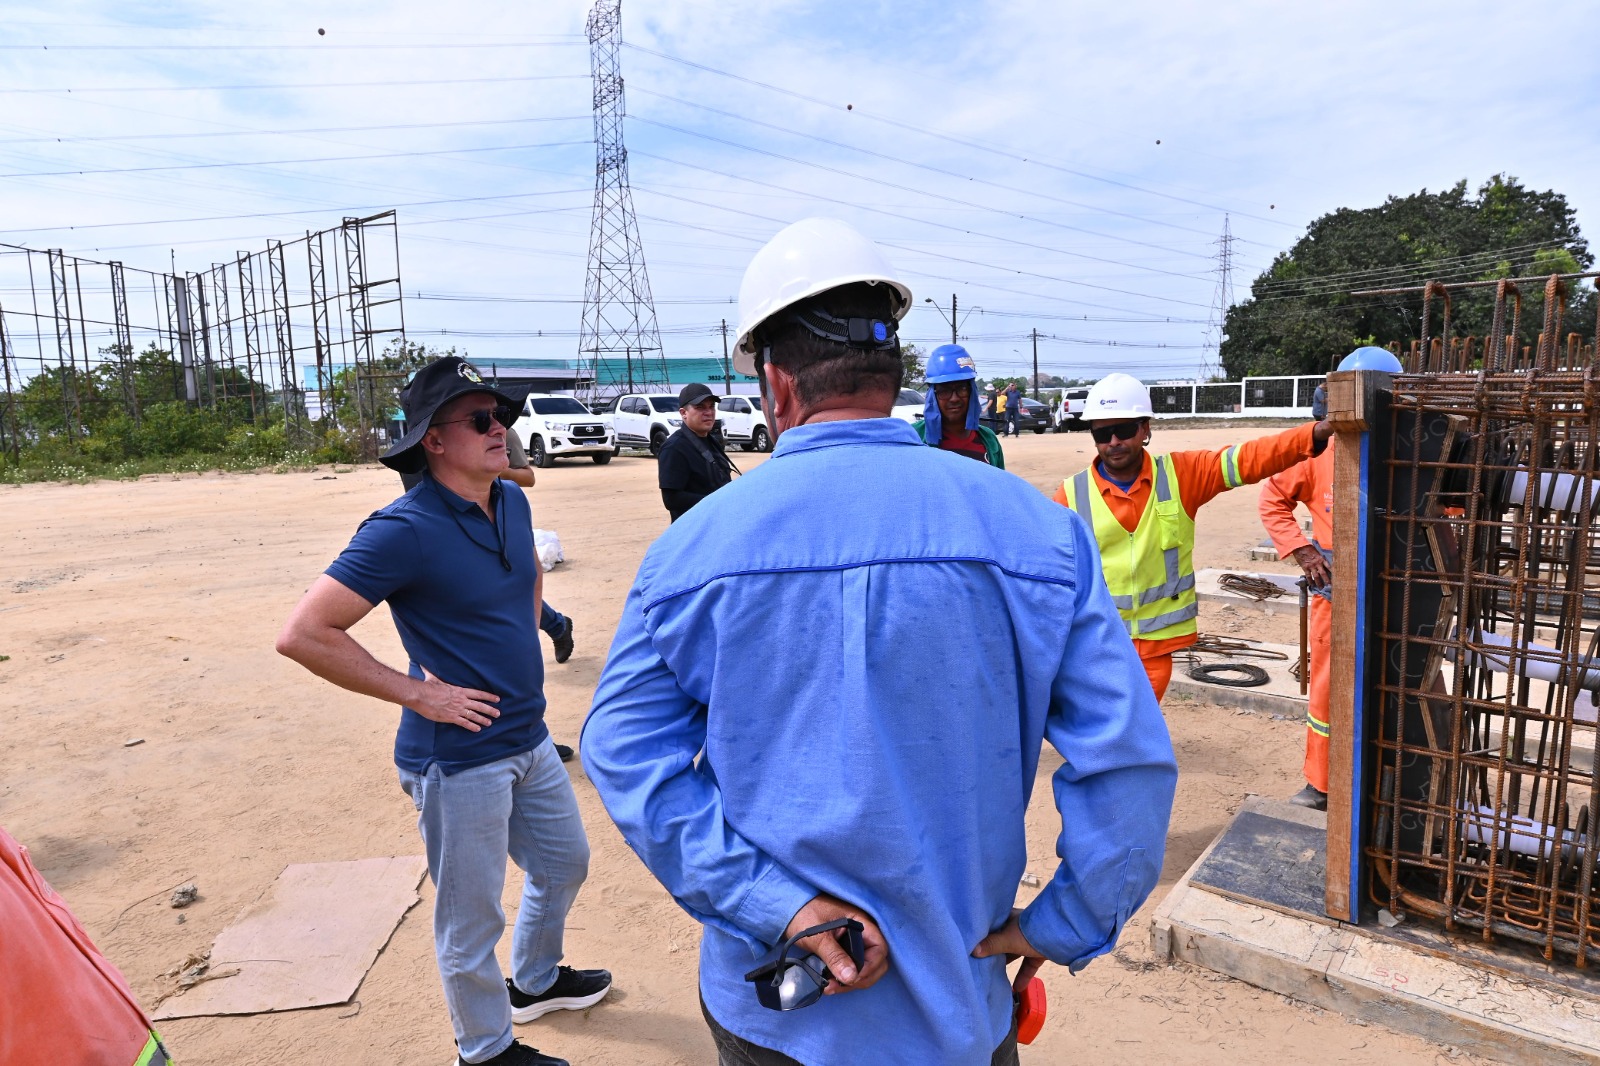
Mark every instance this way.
x=1007 y=152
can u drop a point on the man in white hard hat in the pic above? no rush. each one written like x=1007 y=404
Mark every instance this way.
x=1142 y=509
x=798 y=725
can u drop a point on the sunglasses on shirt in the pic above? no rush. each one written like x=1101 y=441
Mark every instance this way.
x=789 y=977
x=481 y=420
x=1120 y=430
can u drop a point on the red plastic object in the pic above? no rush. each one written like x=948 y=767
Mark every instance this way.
x=1030 y=1011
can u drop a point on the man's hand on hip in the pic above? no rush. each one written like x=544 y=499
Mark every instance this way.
x=1314 y=565
x=1009 y=941
x=466 y=707
x=875 y=950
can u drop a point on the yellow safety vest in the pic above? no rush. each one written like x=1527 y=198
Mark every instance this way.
x=1150 y=571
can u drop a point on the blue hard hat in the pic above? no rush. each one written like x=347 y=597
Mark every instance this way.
x=950 y=362
x=1371 y=358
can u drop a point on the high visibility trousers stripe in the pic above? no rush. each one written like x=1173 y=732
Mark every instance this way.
x=154 y=1054
x=1319 y=728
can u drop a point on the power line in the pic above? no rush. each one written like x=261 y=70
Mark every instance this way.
x=289 y=133
x=947 y=199
x=577 y=38
x=953 y=174
x=908 y=218
x=297 y=85
x=281 y=162
x=947 y=137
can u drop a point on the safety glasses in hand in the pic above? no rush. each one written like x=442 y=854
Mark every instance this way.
x=1120 y=430
x=483 y=419
x=789 y=977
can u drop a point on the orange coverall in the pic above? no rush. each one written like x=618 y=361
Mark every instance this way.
x=1310 y=483
x=1200 y=481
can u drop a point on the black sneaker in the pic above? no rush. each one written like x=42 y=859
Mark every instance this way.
x=1310 y=797
x=519 y=1054
x=563 y=643
x=565 y=751
x=573 y=990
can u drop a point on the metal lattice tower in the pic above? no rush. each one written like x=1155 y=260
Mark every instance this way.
x=1219 y=303
x=619 y=345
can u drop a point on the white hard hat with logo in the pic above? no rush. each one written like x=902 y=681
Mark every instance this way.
x=1117 y=396
x=808 y=257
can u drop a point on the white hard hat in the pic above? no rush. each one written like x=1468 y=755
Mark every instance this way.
x=1117 y=396
x=808 y=257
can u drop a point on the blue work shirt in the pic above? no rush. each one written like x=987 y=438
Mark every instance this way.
x=870 y=640
x=461 y=612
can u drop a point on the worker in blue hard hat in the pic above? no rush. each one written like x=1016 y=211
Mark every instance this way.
x=1310 y=482
x=950 y=419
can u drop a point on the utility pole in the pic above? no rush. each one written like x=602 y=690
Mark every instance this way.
x=953 y=319
x=1036 y=364
x=727 y=371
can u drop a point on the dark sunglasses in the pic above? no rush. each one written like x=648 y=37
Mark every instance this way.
x=1120 y=430
x=482 y=419
x=953 y=388
x=789 y=977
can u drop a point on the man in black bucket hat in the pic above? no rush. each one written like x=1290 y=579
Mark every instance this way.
x=454 y=560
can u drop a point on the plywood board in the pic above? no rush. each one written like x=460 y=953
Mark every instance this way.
x=308 y=941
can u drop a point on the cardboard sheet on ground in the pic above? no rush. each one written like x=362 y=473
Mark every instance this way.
x=308 y=941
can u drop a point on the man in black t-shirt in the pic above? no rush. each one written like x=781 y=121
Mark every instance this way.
x=692 y=464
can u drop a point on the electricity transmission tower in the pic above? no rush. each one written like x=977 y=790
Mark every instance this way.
x=619 y=345
x=1219 y=303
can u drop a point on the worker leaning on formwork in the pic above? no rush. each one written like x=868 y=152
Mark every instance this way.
x=1142 y=510
x=950 y=417
x=1311 y=483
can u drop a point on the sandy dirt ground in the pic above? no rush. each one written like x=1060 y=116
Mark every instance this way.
x=148 y=609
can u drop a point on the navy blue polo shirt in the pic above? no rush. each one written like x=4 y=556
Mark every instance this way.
x=461 y=612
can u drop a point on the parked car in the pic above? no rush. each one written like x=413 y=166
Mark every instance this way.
x=908 y=405
x=641 y=420
x=558 y=427
x=1033 y=415
x=743 y=423
x=1075 y=399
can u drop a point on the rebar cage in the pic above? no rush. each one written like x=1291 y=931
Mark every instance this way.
x=1484 y=619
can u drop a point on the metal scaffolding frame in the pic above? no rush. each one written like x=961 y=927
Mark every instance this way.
x=93 y=323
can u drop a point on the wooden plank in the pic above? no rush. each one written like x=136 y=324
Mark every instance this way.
x=1349 y=513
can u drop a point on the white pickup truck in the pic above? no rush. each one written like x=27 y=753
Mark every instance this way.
x=556 y=427
x=743 y=423
x=640 y=420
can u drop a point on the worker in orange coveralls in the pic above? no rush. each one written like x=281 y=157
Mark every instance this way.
x=1311 y=483
x=1142 y=510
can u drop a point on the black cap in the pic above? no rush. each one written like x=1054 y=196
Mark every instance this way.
x=693 y=394
x=430 y=389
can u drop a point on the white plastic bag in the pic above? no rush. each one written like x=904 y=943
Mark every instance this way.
x=548 y=547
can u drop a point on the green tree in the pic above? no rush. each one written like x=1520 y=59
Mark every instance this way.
x=1300 y=318
x=915 y=363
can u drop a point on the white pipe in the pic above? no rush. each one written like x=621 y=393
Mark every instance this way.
x=1557 y=492
x=1541 y=669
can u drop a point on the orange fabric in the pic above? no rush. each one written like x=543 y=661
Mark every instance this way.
x=61 y=1001
x=1200 y=481
x=1309 y=482
x=1316 y=764
x=1158 y=668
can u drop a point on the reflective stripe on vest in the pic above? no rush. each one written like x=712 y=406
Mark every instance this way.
x=1151 y=568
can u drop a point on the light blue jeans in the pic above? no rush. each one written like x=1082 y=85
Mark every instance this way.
x=471 y=821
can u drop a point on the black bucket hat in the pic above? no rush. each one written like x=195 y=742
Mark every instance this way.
x=430 y=389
